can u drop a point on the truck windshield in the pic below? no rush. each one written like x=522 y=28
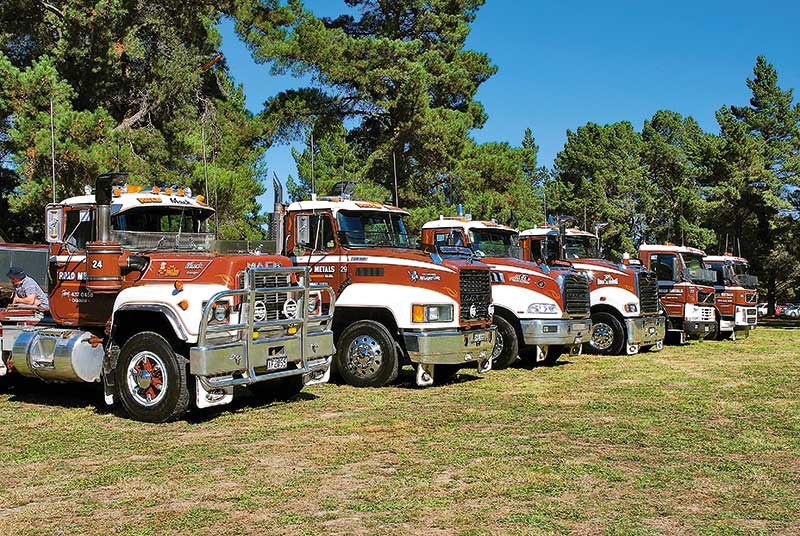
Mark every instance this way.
x=741 y=272
x=581 y=247
x=149 y=228
x=494 y=243
x=362 y=228
x=696 y=269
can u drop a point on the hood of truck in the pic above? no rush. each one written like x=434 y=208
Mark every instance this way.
x=205 y=267
x=603 y=273
x=525 y=274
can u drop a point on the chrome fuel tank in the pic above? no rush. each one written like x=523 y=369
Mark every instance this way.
x=58 y=355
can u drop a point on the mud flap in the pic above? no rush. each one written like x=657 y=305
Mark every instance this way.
x=316 y=378
x=541 y=353
x=424 y=375
x=215 y=397
x=576 y=349
x=485 y=365
x=632 y=349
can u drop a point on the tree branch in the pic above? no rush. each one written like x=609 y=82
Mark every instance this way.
x=52 y=9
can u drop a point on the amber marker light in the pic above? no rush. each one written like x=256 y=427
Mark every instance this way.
x=183 y=304
x=292 y=330
x=417 y=313
x=179 y=285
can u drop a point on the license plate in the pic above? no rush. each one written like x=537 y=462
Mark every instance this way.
x=479 y=337
x=277 y=363
x=578 y=327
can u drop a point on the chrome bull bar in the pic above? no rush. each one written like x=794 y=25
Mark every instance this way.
x=227 y=355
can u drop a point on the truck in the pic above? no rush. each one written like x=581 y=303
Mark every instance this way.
x=143 y=301
x=736 y=297
x=625 y=311
x=685 y=288
x=537 y=311
x=395 y=305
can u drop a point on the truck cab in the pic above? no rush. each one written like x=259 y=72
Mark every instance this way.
x=538 y=309
x=684 y=287
x=625 y=313
x=736 y=296
x=395 y=304
x=143 y=300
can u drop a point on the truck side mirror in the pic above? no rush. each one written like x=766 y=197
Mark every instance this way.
x=303 y=230
x=54 y=217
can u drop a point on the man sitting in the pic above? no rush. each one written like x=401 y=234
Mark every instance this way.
x=27 y=292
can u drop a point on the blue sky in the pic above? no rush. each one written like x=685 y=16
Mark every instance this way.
x=562 y=64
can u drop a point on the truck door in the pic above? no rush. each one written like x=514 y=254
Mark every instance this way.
x=315 y=246
x=667 y=270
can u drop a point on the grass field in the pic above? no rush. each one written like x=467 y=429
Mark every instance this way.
x=699 y=439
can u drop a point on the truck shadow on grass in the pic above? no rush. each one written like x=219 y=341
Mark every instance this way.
x=21 y=390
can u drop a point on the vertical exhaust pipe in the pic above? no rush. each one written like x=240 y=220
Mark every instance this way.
x=103 y=270
x=277 y=230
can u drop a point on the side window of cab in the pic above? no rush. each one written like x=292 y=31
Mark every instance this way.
x=314 y=231
x=664 y=267
x=78 y=227
x=450 y=237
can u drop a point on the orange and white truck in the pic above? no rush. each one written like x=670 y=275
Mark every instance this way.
x=736 y=297
x=143 y=301
x=625 y=312
x=685 y=287
x=395 y=304
x=536 y=308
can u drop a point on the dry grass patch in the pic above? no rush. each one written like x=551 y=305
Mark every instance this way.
x=704 y=438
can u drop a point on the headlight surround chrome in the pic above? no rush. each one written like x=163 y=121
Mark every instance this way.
x=220 y=312
x=422 y=313
x=543 y=308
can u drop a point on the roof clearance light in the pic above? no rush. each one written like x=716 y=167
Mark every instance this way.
x=156 y=190
x=133 y=189
x=200 y=199
x=181 y=192
x=117 y=192
x=187 y=192
x=168 y=191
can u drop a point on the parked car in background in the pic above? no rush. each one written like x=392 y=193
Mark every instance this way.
x=792 y=311
x=780 y=309
x=762 y=309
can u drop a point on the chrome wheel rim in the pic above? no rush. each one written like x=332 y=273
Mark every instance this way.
x=498 y=345
x=602 y=336
x=364 y=357
x=147 y=379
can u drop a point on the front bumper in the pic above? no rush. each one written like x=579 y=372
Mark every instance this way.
x=450 y=347
x=568 y=332
x=745 y=318
x=645 y=330
x=698 y=328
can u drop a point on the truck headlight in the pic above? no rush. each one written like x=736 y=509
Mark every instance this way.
x=220 y=313
x=545 y=308
x=632 y=307
x=431 y=313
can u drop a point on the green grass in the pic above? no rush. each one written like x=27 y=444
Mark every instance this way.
x=698 y=439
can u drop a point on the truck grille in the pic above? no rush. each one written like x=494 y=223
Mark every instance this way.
x=705 y=297
x=269 y=305
x=647 y=283
x=476 y=290
x=751 y=298
x=576 y=295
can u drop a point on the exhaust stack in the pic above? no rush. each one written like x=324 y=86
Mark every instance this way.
x=103 y=271
x=276 y=229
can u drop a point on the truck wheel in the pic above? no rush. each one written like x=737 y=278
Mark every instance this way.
x=366 y=355
x=607 y=336
x=150 y=379
x=282 y=389
x=506 y=346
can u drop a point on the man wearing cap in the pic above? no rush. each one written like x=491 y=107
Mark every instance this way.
x=26 y=290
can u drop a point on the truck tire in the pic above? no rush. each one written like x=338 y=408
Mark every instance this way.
x=366 y=355
x=150 y=379
x=506 y=348
x=282 y=389
x=607 y=336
